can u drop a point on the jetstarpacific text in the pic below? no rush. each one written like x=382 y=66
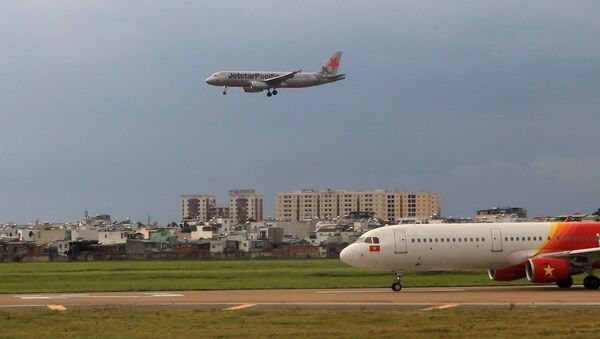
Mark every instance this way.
x=252 y=75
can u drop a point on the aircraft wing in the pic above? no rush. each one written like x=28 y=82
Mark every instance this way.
x=281 y=78
x=588 y=255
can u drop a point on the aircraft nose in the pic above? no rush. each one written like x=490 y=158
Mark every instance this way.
x=346 y=255
x=209 y=80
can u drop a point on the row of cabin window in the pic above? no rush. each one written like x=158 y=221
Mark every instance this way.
x=448 y=239
x=523 y=238
x=558 y=237
x=577 y=237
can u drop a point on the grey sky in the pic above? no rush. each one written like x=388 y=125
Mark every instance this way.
x=103 y=105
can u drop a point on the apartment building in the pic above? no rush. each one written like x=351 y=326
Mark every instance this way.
x=245 y=205
x=309 y=203
x=197 y=207
x=420 y=204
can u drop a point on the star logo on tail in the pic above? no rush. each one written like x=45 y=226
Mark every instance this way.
x=333 y=63
x=549 y=270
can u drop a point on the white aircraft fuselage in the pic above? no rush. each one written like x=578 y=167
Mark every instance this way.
x=245 y=79
x=508 y=250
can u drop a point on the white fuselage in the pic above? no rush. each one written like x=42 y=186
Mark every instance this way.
x=427 y=247
x=245 y=79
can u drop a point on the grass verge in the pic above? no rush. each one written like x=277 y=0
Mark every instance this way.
x=176 y=323
x=213 y=274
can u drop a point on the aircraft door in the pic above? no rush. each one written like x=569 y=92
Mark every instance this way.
x=496 y=239
x=400 y=241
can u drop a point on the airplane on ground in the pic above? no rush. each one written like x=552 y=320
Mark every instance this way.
x=544 y=252
x=253 y=82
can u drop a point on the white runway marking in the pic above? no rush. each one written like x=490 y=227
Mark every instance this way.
x=451 y=289
x=239 y=307
x=56 y=307
x=71 y=296
x=164 y=295
x=441 y=307
x=351 y=291
x=409 y=290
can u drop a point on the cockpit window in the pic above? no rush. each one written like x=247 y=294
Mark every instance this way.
x=368 y=240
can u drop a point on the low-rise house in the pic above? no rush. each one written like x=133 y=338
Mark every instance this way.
x=202 y=232
x=201 y=249
x=225 y=249
x=332 y=247
x=217 y=247
x=43 y=235
x=102 y=236
x=298 y=247
x=63 y=247
x=255 y=248
x=9 y=233
x=137 y=247
x=142 y=232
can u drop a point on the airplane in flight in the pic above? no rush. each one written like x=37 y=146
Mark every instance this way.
x=258 y=81
x=544 y=252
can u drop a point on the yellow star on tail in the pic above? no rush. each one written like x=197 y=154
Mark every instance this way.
x=549 y=270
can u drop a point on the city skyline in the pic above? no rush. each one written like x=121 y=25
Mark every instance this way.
x=104 y=106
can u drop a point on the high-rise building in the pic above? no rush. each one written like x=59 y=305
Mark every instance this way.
x=219 y=211
x=197 y=207
x=245 y=205
x=390 y=205
x=421 y=204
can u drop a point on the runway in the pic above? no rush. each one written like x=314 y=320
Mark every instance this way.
x=422 y=298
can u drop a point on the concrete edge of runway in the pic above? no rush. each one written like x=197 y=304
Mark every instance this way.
x=317 y=306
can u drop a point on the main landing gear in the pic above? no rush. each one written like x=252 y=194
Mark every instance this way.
x=568 y=282
x=224 y=90
x=269 y=92
x=397 y=285
x=591 y=282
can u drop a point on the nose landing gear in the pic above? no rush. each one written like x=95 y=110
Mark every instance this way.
x=224 y=90
x=397 y=285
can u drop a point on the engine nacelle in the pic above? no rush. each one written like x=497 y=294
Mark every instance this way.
x=547 y=270
x=249 y=89
x=507 y=274
x=259 y=85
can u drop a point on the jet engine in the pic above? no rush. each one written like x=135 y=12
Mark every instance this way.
x=547 y=270
x=507 y=274
x=259 y=85
x=249 y=89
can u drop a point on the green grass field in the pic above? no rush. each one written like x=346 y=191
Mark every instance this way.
x=177 y=323
x=212 y=274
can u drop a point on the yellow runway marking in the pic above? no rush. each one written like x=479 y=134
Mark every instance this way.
x=441 y=307
x=239 y=307
x=56 y=307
